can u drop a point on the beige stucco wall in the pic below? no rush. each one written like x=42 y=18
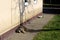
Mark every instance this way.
x=10 y=16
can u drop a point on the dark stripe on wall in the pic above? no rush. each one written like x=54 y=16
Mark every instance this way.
x=51 y=6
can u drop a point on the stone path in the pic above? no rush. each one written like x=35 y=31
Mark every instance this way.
x=35 y=24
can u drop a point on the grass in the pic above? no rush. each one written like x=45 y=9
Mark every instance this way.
x=50 y=35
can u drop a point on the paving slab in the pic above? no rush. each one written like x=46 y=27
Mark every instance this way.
x=35 y=24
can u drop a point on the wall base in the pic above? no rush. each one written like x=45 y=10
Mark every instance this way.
x=12 y=31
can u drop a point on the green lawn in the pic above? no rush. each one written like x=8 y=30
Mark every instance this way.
x=50 y=35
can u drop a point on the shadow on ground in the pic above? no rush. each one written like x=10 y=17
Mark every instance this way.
x=32 y=30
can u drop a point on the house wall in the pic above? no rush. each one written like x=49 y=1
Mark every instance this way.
x=10 y=16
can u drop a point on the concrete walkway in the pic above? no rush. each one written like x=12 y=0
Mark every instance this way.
x=35 y=24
